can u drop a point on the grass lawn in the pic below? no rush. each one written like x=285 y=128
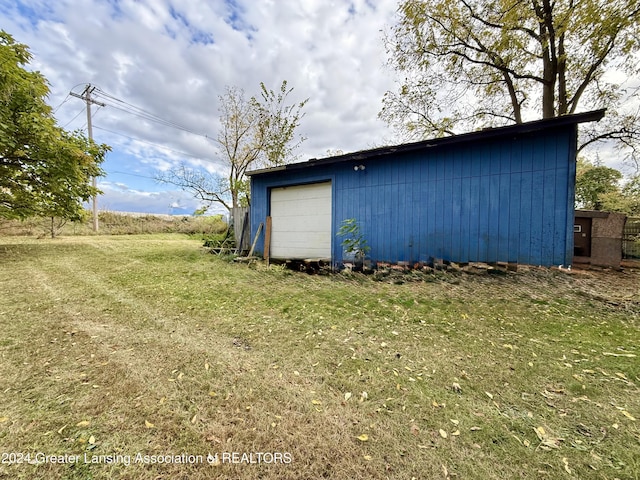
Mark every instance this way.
x=137 y=357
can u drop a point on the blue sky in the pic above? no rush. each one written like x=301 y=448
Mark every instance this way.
x=172 y=59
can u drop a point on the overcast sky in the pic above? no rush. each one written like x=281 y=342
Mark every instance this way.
x=174 y=58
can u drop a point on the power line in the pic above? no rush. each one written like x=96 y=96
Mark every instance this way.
x=148 y=143
x=127 y=107
x=61 y=103
x=76 y=116
x=132 y=174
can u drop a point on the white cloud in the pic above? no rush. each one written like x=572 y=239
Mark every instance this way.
x=119 y=197
x=160 y=57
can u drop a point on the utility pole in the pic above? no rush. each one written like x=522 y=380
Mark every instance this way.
x=86 y=96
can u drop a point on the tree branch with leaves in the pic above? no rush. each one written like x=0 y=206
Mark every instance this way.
x=45 y=171
x=253 y=134
x=466 y=64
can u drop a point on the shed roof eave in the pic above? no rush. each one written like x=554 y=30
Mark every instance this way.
x=521 y=128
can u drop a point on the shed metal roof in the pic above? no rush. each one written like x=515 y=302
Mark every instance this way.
x=485 y=134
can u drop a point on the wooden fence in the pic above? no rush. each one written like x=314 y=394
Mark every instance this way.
x=241 y=228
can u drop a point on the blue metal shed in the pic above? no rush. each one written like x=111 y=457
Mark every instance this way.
x=497 y=195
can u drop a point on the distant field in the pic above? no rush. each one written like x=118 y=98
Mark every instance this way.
x=114 y=346
x=115 y=223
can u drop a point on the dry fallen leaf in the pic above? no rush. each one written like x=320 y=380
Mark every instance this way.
x=566 y=464
x=316 y=402
x=148 y=424
x=363 y=438
x=3 y=419
x=443 y=434
x=456 y=433
x=489 y=395
x=368 y=457
x=628 y=415
x=83 y=423
x=546 y=439
x=92 y=440
x=206 y=366
x=347 y=396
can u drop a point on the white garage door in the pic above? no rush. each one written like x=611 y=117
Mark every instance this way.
x=301 y=221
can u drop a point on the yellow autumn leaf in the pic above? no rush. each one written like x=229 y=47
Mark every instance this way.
x=628 y=415
x=347 y=396
x=148 y=424
x=193 y=420
x=212 y=393
x=316 y=402
x=456 y=433
x=83 y=423
x=206 y=366
x=92 y=440
x=368 y=457
x=443 y=434
x=3 y=419
x=540 y=432
x=363 y=438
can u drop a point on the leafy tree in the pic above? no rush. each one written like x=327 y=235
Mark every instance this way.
x=277 y=125
x=44 y=170
x=599 y=188
x=253 y=134
x=471 y=63
x=624 y=200
x=593 y=182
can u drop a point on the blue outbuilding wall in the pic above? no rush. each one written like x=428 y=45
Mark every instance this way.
x=496 y=198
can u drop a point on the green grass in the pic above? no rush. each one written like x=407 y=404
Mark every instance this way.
x=146 y=344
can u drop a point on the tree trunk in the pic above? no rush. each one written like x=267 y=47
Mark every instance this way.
x=549 y=67
x=563 y=106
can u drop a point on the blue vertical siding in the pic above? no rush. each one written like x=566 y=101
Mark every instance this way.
x=506 y=199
